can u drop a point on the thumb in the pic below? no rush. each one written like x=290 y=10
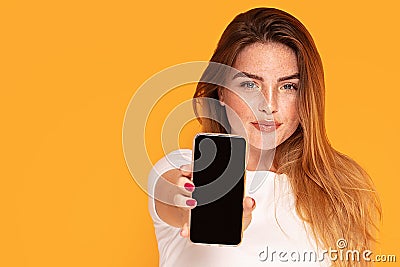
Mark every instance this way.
x=249 y=204
x=185 y=231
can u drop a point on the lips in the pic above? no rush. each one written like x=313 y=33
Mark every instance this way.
x=266 y=125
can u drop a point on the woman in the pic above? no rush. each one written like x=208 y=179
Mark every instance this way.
x=313 y=195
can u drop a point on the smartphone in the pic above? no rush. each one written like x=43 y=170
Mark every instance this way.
x=219 y=179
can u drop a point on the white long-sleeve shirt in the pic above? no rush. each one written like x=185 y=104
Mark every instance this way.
x=276 y=235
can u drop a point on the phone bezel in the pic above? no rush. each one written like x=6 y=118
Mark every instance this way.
x=244 y=185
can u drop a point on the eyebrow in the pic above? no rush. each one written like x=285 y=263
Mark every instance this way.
x=253 y=76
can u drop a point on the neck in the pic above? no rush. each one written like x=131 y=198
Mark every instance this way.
x=260 y=160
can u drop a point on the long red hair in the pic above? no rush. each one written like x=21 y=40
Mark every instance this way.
x=333 y=194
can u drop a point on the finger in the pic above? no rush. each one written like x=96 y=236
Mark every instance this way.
x=186 y=170
x=249 y=205
x=184 y=201
x=166 y=190
x=186 y=186
x=185 y=231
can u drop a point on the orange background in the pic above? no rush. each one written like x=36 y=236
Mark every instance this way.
x=68 y=71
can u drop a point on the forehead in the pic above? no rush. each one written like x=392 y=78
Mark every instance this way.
x=267 y=59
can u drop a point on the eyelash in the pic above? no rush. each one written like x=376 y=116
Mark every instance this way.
x=245 y=84
x=292 y=84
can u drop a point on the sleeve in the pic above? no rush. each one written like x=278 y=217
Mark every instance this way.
x=173 y=160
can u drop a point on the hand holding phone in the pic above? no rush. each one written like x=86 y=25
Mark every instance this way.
x=249 y=205
x=219 y=178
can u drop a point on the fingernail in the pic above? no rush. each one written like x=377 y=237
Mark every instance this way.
x=191 y=202
x=254 y=203
x=189 y=187
x=184 y=233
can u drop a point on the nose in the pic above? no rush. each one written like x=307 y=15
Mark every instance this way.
x=268 y=101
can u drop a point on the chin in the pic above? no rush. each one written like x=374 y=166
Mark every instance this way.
x=263 y=141
x=263 y=144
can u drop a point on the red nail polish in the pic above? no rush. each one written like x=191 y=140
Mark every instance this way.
x=254 y=202
x=189 y=187
x=191 y=202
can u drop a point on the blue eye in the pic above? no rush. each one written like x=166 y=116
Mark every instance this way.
x=289 y=86
x=249 y=85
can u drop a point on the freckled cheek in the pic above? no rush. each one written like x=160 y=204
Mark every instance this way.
x=240 y=106
x=288 y=110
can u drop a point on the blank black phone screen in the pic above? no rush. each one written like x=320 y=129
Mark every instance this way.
x=218 y=176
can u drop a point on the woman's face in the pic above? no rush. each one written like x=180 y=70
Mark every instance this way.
x=261 y=102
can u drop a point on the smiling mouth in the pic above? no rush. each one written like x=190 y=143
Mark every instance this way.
x=266 y=126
